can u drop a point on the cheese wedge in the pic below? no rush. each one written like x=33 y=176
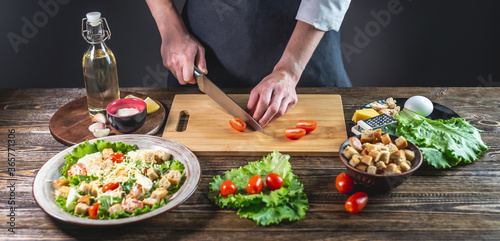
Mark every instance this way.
x=364 y=114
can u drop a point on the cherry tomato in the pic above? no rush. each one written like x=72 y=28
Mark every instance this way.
x=238 y=124
x=77 y=168
x=130 y=204
x=116 y=157
x=227 y=188
x=306 y=125
x=274 y=181
x=93 y=210
x=110 y=186
x=255 y=184
x=294 y=133
x=356 y=202
x=344 y=183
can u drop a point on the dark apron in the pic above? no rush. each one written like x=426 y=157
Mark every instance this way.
x=244 y=40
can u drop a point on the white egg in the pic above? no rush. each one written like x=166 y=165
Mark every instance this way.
x=420 y=105
x=71 y=198
x=144 y=181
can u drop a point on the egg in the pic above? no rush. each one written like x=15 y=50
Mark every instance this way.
x=420 y=105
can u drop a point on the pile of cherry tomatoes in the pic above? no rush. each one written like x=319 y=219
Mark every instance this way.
x=254 y=185
x=356 y=201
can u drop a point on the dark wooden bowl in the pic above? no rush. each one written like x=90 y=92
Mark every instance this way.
x=377 y=182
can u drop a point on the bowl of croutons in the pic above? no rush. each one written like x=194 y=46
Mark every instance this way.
x=380 y=161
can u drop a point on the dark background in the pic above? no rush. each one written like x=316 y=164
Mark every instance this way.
x=426 y=43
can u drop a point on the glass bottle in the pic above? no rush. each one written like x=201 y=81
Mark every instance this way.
x=99 y=65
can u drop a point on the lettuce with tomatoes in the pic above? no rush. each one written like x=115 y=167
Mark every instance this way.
x=444 y=143
x=267 y=207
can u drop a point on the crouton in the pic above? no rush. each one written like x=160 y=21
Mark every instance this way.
x=381 y=166
x=367 y=160
x=384 y=148
x=84 y=199
x=174 y=176
x=84 y=188
x=63 y=191
x=385 y=157
x=392 y=169
x=81 y=208
x=398 y=157
x=148 y=157
x=354 y=161
x=364 y=152
x=159 y=193
x=149 y=201
x=152 y=174
x=375 y=155
x=162 y=156
x=107 y=164
x=403 y=166
x=60 y=182
x=106 y=152
x=371 y=170
x=410 y=155
x=114 y=209
x=366 y=136
x=377 y=136
x=401 y=142
x=386 y=139
x=362 y=167
x=392 y=147
x=94 y=188
x=349 y=152
x=164 y=182
x=355 y=143
x=371 y=147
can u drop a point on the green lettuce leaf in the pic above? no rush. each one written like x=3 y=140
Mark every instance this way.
x=267 y=207
x=444 y=143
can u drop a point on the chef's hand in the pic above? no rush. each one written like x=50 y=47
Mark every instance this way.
x=180 y=53
x=273 y=97
x=179 y=49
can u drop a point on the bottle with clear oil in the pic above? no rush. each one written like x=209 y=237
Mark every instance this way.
x=99 y=65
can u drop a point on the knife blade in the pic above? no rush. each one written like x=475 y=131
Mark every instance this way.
x=208 y=87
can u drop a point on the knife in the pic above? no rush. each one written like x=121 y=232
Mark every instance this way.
x=208 y=87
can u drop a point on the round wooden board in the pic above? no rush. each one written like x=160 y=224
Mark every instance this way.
x=69 y=125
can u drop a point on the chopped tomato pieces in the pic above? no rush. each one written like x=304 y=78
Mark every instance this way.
x=238 y=124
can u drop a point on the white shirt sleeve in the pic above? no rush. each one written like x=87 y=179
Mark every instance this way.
x=324 y=15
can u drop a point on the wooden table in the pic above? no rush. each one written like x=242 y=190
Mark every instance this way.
x=458 y=203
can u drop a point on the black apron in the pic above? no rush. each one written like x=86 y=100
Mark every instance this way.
x=244 y=40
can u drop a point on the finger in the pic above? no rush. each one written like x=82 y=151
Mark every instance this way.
x=262 y=104
x=252 y=102
x=187 y=72
x=284 y=108
x=178 y=75
x=201 y=62
x=272 y=110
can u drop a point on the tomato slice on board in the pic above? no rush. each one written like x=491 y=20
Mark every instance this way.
x=227 y=188
x=294 y=133
x=306 y=125
x=110 y=186
x=116 y=157
x=93 y=210
x=77 y=168
x=356 y=202
x=274 y=181
x=344 y=183
x=238 y=124
x=255 y=184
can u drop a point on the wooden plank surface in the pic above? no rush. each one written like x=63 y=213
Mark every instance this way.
x=460 y=203
x=208 y=132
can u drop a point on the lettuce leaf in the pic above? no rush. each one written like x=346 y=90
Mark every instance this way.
x=267 y=207
x=444 y=143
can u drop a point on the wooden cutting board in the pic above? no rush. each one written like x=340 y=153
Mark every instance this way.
x=208 y=132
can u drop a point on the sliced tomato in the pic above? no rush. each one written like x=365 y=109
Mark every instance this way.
x=306 y=125
x=274 y=181
x=294 y=133
x=255 y=184
x=227 y=188
x=93 y=210
x=238 y=124
x=116 y=157
x=77 y=168
x=110 y=186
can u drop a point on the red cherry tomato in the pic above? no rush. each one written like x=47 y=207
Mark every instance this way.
x=93 y=210
x=274 y=181
x=116 y=157
x=110 y=186
x=227 y=188
x=306 y=125
x=294 y=133
x=255 y=184
x=238 y=124
x=356 y=202
x=77 y=168
x=344 y=183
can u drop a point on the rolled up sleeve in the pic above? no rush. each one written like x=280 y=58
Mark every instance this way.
x=324 y=15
